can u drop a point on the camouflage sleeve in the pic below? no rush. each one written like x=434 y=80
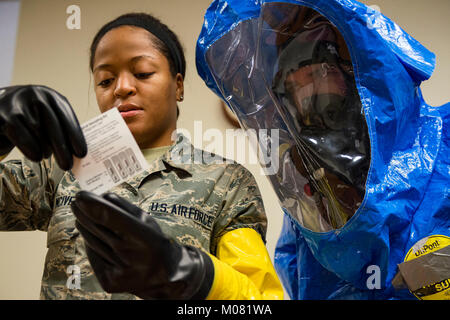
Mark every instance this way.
x=26 y=194
x=242 y=206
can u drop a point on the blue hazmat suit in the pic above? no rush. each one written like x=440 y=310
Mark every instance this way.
x=362 y=162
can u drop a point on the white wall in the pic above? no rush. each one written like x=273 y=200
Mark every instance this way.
x=429 y=23
x=9 y=15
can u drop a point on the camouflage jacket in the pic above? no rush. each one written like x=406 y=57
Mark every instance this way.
x=193 y=200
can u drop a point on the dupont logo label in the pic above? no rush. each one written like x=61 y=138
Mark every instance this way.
x=428 y=247
x=435 y=291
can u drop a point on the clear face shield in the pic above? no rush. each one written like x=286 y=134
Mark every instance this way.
x=291 y=70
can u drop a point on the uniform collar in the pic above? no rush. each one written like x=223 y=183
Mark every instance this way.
x=180 y=158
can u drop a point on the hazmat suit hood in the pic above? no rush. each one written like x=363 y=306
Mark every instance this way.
x=399 y=190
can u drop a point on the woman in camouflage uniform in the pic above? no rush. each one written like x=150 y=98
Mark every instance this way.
x=180 y=230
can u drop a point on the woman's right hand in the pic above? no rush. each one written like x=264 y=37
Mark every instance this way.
x=40 y=122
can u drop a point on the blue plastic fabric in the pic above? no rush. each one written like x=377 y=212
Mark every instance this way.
x=407 y=189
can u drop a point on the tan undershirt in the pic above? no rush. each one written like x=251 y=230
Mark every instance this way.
x=152 y=154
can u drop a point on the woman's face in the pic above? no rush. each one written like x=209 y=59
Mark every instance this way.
x=132 y=75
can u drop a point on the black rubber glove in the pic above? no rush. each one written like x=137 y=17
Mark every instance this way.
x=129 y=253
x=40 y=122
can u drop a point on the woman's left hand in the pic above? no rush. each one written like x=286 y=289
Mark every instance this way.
x=129 y=253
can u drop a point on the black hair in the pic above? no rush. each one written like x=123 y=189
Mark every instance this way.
x=164 y=39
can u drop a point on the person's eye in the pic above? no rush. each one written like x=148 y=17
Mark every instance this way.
x=105 y=83
x=143 y=75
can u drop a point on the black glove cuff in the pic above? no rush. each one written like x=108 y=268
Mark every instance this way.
x=5 y=145
x=208 y=276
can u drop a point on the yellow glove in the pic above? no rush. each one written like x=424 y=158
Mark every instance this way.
x=243 y=269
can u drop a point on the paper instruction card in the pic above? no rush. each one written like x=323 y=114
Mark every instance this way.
x=113 y=155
